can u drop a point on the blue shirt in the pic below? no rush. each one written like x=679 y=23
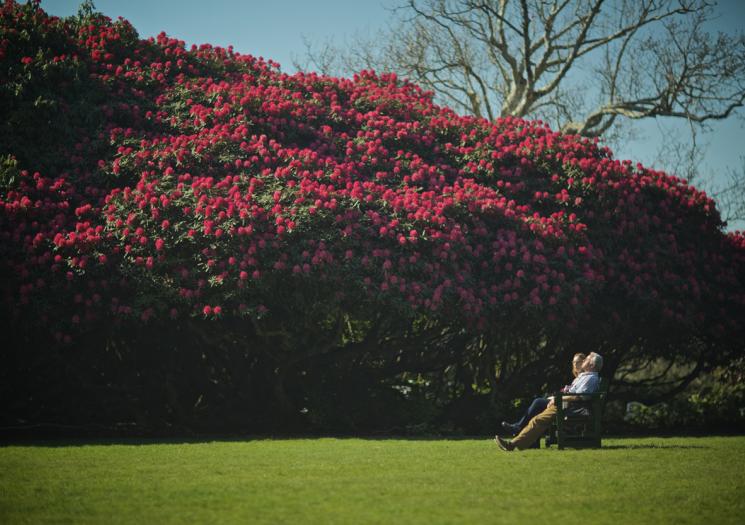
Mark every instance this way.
x=585 y=383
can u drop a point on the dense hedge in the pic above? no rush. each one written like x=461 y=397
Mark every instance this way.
x=195 y=237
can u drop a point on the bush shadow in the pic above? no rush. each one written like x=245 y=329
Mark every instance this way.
x=651 y=446
x=196 y=440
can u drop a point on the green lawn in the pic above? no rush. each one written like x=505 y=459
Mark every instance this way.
x=655 y=480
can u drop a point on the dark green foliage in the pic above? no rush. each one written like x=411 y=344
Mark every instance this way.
x=194 y=241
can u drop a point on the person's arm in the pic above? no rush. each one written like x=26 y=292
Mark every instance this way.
x=582 y=385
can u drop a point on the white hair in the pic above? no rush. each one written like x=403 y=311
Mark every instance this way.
x=596 y=361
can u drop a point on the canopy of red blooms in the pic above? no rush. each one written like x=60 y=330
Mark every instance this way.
x=145 y=180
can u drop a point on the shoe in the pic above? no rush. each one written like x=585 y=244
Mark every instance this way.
x=510 y=427
x=505 y=445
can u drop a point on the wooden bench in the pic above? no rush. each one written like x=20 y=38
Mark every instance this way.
x=579 y=424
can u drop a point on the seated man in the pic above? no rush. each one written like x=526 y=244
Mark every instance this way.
x=585 y=383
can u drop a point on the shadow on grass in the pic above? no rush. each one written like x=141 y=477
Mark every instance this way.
x=196 y=440
x=52 y=442
x=650 y=445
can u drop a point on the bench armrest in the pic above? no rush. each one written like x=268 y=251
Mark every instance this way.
x=559 y=397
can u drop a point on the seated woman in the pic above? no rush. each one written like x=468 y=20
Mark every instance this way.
x=539 y=404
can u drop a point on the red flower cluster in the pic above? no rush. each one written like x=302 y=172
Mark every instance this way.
x=209 y=183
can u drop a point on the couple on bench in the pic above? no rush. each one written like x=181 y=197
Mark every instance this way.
x=542 y=411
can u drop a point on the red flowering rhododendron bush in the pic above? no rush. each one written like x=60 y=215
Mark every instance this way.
x=177 y=218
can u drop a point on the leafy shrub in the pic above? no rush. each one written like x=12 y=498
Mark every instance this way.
x=710 y=404
x=301 y=230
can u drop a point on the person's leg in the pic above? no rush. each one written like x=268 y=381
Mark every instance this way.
x=538 y=405
x=534 y=429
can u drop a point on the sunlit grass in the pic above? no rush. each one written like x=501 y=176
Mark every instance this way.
x=680 y=480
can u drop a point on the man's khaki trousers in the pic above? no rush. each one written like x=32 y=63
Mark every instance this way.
x=535 y=428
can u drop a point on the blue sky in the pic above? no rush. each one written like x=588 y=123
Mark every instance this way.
x=275 y=28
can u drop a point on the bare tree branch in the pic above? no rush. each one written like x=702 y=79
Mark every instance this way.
x=585 y=66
